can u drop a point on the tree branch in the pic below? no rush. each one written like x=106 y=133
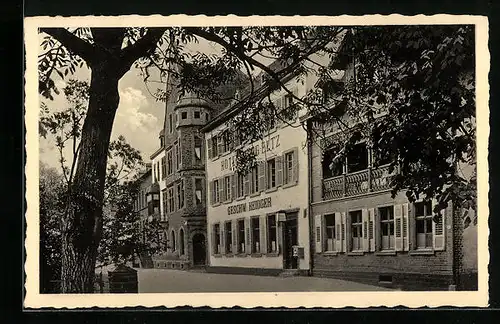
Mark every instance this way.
x=142 y=46
x=72 y=43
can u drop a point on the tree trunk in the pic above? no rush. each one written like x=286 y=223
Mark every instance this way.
x=82 y=222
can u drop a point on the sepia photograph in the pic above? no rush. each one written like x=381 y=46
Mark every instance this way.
x=317 y=157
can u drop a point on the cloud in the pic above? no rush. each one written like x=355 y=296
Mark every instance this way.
x=129 y=111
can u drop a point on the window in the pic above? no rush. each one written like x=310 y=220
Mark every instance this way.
x=241 y=236
x=158 y=171
x=215 y=151
x=180 y=194
x=272 y=246
x=184 y=115
x=207 y=116
x=229 y=237
x=216 y=191
x=162 y=141
x=197 y=115
x=170 y=124
x=198 y=191
x=170 y=168
x=171 y=203
x=357 y=158
x=164 y=201
x=254 y=224
x=423 y=223
x=330 y=232
x=387 y=227
x=163 y=168
x=227 y=188
x=197 y=149
x=217 y=243
x=241 y=185
x=356 y=230
x=177 y=156
x=254 y=173
x=288 y=170
x=271 y=174
x=332 y=164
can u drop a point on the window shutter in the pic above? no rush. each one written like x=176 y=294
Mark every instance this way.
x=263 y=234
x=318 y=231
x=248 y=238
x=209 y=148
x=233 y=187
x=262 y=175
x=398 y=238
x=406 y=230
x=338 y=236
x=212 y=192
x=438 y=236
x=279 y=170
x=219 y=145
x=277 y=105
x=295 y=165
x=234 y=235
x=372 y=225
x=246 y=182
x=343 y=232
x=365 y=227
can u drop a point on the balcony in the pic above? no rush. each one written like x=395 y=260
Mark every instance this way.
x=357 y=183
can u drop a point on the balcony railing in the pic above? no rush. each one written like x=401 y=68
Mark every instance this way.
x=357 y=183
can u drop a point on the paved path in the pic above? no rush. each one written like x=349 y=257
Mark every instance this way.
x=177 y=281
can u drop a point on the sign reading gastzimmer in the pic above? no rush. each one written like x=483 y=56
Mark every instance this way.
x=252 y=205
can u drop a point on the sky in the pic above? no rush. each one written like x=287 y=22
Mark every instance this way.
x=139 y=117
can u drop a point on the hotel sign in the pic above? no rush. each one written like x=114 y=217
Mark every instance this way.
x=266 y=145
x=252 y=205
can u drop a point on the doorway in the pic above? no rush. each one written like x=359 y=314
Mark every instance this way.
x=199 y=250
x=289 y=240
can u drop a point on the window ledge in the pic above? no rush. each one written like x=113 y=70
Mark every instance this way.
x=240 y=198
x=255 y=194
x=218 y=255
x=225 y=153
x=241 y=255
x=256 y=255
x=332 y=253
x=288 y=185
x=273 y=189
x=272 y=254
x=215 y=158
x=355 y=253
x=422 y=252
x=388 y=252
x=216 y=204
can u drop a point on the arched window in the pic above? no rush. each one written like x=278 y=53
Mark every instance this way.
x=172 y=238
x=181 y=241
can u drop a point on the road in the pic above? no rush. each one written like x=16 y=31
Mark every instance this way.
x=177 y=281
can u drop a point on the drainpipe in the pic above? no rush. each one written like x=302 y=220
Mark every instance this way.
x=309 y=195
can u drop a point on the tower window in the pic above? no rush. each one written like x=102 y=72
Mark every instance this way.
x=184 y=115
x=197 y=114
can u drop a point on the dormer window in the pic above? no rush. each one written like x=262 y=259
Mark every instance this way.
x=162 y=141
x=237 y=95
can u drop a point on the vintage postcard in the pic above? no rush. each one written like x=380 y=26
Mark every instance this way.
x=257 y=161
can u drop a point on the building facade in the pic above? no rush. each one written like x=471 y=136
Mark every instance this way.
x=258 y=222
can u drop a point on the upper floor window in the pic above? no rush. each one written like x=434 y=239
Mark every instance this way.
x=271 y=173
x=180 y=194
x=197 y=149
x=184 y=115
x=170 y=168
x=254 y=174
x=215 y=192
x=196 y=115
x=198 y=191
x=178 y=156
x=215 y=146
x=288 y=169
x=171 y=202
x=170 y=123
x=163 y=168
x=332 y=163
x=164 y=202
x=240 y=184
x=227 y=188
x=357 y=158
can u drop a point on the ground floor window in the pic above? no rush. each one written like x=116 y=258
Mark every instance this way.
x=330 y=232
x=272 y=244
x=423 y=224
x=241 y=236
x=387 y=227
x=356 y=230
x=181 y=241
x=216 y=247
x=229 y=237
x=254 y=222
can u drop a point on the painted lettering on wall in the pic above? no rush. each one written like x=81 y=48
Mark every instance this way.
x=265 y=146
x=252 y=205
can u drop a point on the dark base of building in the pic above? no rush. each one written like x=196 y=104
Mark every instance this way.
x=257 y=271
x=403 y=281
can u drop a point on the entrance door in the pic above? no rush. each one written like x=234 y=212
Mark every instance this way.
x=289 y=240
x=199 y=250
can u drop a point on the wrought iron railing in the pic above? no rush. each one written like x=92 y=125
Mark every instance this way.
x=357 y=183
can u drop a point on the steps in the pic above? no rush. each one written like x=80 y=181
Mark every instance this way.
x=289 y=273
